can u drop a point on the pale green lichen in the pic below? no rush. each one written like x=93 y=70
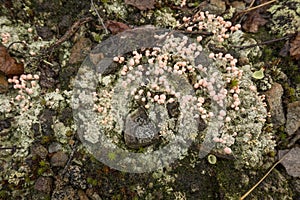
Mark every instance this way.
x=285 y=17
x=165 y=18
x=115 y=8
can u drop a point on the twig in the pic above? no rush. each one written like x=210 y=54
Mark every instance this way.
x=70 y=158
x=247 y=193
x=13 y=148
x=99 y=18
x=251 y=4
x=263 y=43
x=71 y=31
x=259 y=6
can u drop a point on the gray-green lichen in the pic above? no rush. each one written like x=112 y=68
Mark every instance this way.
x=165 y=18
x=285 y=17
x=115 y=8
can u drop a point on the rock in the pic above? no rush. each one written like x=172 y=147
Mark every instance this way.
x=59 y=159
x=139 y=130
x=293 y=118
x=44 y=32
x=273 y=97
x=43 y=184
x=238 y=5
x=291 y=161
x=39 y=150
x=54 y=147
x=213 y=6
x=82 y=195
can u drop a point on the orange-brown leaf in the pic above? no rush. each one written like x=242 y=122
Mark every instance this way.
x=116 y=27
x=9 y=65
x=295 y=47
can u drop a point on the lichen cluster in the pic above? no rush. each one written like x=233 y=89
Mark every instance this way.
x=285 y=17
x=23 y=104
x=181 y=79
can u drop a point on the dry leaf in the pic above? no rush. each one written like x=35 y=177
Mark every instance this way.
x=141 y=4
x=3 y=83
x=291 y=162
x=295 y=47
x=79 y=50
x=8 y=65
x=254 y=21
x=116 y=27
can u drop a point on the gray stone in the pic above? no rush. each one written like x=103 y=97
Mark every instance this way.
x=293 y=118
x=213 y=6
x=139 y=130
x=291 y=161
x=273 y=97
x=54 y=147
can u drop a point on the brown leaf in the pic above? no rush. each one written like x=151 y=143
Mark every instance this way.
x=3 y=83
x=254 y=21
x=295 y=47
x=141 y=4
x=79 y=50
x=8 y=65
x=116 y=27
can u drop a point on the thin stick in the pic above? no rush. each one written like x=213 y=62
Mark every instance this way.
x=100 y=19
x=70 y=32
x=263 y=43
x=251 y=4
x=259 y=6
x=247 y=193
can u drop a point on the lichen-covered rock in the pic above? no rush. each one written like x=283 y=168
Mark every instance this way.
x=293 y=118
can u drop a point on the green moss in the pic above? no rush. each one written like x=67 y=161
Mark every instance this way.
x=46 y=139
x=111 y=156
x=3 y=194
x=233 y=83
x=92 y=181
x=289 y=93
x=43 y=163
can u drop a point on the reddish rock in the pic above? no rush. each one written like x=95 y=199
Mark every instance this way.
x=43 y=184
x=273 y=97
